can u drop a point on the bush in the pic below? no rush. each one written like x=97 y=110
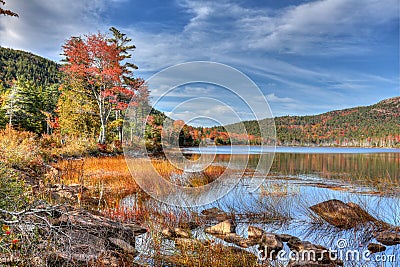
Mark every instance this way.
x=13 y=191
x=19 y=149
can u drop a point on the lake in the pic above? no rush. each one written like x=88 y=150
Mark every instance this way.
x=374 y=168
x=292 y=179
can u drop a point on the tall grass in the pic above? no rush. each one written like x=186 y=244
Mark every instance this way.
x=109 y=177
x=18 y=149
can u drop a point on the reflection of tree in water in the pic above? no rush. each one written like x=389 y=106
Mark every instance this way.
x=378 y=169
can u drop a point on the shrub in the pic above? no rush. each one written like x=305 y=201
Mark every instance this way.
x=19 y=149
x=13 y=191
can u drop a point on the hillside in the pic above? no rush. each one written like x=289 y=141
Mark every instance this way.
x=375 y=125
x=25 y=65
x=28 y=90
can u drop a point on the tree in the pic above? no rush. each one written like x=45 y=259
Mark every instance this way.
x=6 y=12
x=78 y=114
x=94 y=68
x=27 y=103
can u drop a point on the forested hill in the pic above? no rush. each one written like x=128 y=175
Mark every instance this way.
x=28 y=90
x=375 y=125
x=27 y=66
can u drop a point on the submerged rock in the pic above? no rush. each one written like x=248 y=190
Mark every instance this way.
x=342 y=215
x=389 y=237
x=216 y=214
x=254 y=232
x=374 y=248
x=176 y=232
x=123 y=246
x=310 y=254
x=222 y=228
x=236 y=239
x=285 y=237
x=270 y=245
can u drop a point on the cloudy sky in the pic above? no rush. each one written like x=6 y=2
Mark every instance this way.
x=307 y=57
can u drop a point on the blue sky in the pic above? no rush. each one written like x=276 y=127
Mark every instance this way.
x=307 y=57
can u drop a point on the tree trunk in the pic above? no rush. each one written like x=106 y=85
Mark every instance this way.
x=102 y=139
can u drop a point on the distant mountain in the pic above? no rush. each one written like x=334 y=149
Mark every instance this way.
x=376 y=125
x=17 y=63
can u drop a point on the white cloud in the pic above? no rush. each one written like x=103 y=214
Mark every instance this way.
x=43 y=26
x=273 y=98
x=225 y=31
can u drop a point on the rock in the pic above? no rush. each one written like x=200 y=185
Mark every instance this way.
x=236 y=239
x=73 y=193
x=176 y=232
x=222 y=228
x=215 y=214
x=167 y=232
x=134 y=228
x=342 y=215
x=270 y=245
x=388 y=237
x=124 y=246
x=294 y=243
x=311 y=254
x=179 y=232
x=74 y=237
x=374 y=248
x=69 y=259
x=254 y=232
x=285 y=237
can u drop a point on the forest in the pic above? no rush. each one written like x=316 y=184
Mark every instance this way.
x=36 y=96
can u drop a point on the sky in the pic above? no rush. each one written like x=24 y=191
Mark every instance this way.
x=306 y=57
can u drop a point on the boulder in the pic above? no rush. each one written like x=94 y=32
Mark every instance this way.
x=222 y=228
x=285 y=237
x=236 y=239
x=75 y=237
x=388 y=237
x=270 y=244
x=294 y=243
x=374 y=248
x=342 y=215
x=72 y=193
x=311 y=254
x=175 y=232
x=254 y=232
x=123 y=246
x=215 y=214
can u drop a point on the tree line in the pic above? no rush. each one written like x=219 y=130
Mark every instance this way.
x=88 y=95
x=85 y=96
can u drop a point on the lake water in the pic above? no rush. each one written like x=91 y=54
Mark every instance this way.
x=377 y=168
x=295 y=178
x=286 y=149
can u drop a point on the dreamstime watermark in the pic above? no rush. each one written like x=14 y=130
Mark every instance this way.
x=198 y=93
x=342 y=253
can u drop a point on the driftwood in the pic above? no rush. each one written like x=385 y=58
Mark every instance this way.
x=66 y=236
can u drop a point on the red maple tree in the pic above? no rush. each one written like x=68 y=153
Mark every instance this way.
x=95 y=67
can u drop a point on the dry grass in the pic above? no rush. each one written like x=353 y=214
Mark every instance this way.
x=192 y=179
x=19 y=149
x=199 y=253
x=109 y=178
